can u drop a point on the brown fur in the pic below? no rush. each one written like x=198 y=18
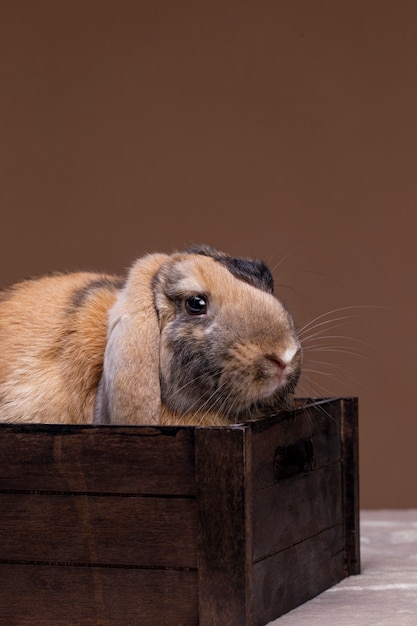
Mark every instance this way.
x=86 y=347
x=52 y=349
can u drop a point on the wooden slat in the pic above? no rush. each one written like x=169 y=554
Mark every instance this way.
x=350 y=465
x=295 y=509
x=297 y=574
x=97 y=459
x=225 y=543
x=135 y=531
x=309 y=437
x=38 y=595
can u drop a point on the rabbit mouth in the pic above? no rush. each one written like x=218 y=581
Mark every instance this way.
x=246 y=397
x=232 y=400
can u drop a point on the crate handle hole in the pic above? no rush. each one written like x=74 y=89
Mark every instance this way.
x=297 y=458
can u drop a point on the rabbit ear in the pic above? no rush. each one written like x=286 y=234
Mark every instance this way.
x=129 y=390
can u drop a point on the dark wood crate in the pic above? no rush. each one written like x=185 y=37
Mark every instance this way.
x=222 y=526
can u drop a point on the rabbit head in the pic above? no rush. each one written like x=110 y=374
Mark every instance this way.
x=197 y=338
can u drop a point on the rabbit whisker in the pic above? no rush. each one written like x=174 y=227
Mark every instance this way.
x=284 y=258
x=314 y=338
x=326 y=323
x=338 y=349
x=329 y=375
x=211 y=407
x=323 y=315
x=342 y=370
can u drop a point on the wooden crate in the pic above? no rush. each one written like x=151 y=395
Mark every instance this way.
x=183 y=526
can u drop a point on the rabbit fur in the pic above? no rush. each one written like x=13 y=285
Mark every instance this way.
x=194 y=337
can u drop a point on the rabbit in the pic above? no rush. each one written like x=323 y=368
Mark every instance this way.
x=190 y=338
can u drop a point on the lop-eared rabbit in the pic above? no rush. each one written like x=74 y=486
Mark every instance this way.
x=190 y=338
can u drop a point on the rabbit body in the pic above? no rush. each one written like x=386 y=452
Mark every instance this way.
x=52 y=340
x=187 y=338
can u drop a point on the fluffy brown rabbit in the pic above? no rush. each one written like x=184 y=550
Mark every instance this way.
x=188 y=338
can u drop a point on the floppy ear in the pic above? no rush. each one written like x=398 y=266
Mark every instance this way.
x=129 y=390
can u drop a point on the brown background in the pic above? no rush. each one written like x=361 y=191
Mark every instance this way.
x=285 y=130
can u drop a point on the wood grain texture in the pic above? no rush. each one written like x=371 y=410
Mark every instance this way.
x=295 y=509
x=293 y=576
x=224 y=542
x=350 y=466
x=41 y=595
x=128 y=531
x=97 y=459
x=315 y=425
x=300 y=505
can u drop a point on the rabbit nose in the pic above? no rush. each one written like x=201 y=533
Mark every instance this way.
x=278 y=362
x=282 y=361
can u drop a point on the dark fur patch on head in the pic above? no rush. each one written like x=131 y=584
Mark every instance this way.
x=252 y=271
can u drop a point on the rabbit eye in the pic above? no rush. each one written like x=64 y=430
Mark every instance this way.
x=196 y=305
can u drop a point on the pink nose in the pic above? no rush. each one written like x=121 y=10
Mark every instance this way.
x=280 y=364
